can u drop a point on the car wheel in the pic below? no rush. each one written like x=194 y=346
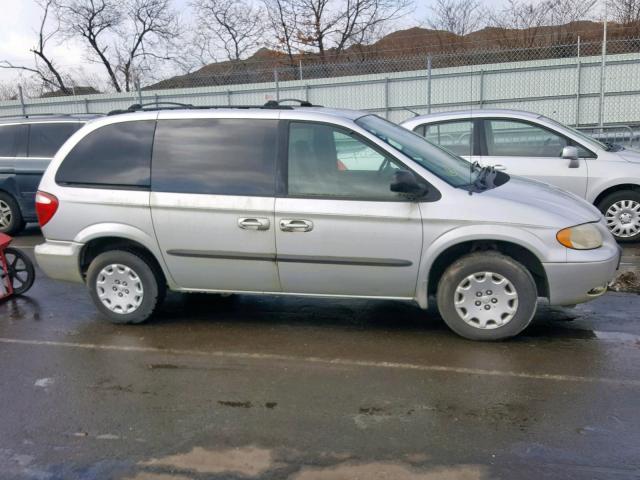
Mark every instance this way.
x=124 y=286
x=621 y=211
x=487 y=296
x=11 y=221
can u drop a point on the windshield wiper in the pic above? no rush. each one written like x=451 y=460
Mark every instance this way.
x=612 y=147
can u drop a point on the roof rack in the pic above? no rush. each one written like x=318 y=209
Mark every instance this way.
x=32 y=115
x=151 y=107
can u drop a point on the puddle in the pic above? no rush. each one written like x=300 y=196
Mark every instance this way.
x=391 y=471
x=247 y=461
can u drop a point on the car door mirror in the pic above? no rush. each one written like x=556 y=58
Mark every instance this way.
x=571 y=154
x=406 y=182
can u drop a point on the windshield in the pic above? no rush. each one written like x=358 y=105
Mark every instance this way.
x=578 y=133
x=452 y=169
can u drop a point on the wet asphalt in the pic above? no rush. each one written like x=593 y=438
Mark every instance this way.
x=284 y=388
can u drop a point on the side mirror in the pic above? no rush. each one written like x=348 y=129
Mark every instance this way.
x=571 y=154
x=405 y=182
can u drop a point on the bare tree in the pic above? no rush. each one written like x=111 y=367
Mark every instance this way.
x=283 y=20
x=457 y=16
x=234 y=26
x=44 y=68
x=625 y=11
x=520 y=22
x=127 y=37
x=332 y=25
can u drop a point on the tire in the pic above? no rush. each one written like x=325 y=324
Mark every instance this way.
x=11 y=221
x=508 y=314
x=21 y=270
x=125 y=274
x=616 y=204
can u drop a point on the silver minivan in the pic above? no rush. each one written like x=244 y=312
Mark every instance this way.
x=309 y=201
x=537 y=147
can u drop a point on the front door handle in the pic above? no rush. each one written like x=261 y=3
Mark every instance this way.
x=254 y=223
x=295 y=225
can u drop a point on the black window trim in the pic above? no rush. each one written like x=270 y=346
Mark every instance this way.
x=485 y=149
x=433 y=194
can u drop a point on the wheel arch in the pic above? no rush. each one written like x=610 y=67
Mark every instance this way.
x=443 y=252
x=96 y=246
x=613 y=189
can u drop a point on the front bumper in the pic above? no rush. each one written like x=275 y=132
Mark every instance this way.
x=578 y=282
x=60 y=260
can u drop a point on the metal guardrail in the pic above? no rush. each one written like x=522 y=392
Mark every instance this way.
x=626 y=135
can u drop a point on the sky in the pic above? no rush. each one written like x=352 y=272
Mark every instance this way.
x=21 y=23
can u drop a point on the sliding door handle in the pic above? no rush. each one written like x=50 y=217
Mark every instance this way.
x=295 y=225
x=251 y=223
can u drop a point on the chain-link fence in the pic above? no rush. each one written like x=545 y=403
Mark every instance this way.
x=586 y=84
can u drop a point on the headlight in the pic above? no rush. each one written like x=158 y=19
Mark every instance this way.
x=581 y=237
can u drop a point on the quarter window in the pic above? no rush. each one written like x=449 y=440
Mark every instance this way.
x=46 y=138
x=457 y=137
x=509 y=138
x=116 y=155
x=13 y=140
x=326 y=161
x=215 y=156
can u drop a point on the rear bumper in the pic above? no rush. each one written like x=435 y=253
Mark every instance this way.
x=579 y=282
x=60 y=260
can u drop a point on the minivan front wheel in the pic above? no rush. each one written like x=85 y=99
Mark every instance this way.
x=124 y=286
x=487 y=296
x=621 y=211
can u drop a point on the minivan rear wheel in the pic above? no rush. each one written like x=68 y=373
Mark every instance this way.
x=11 y=221
x=124 y=286
x=621 y=211
x=487 y=296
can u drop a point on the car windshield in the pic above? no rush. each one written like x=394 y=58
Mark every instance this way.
x=578 y=133
x=452 y=169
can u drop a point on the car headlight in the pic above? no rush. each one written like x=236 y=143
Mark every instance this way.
x=581 y=237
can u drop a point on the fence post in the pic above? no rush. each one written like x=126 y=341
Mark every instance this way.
x=275 y=78
x=578 y=84
x=386 y=98
x=300 y=68
x=603 y=65
x=86 y=105
x=139 y=92
x=481 y=87
x=156 y=99
x=20 y=94
x=306 y=92
x=229 y=98
x=429 y=83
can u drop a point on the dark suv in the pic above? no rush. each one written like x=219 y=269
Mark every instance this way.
x=27 y=145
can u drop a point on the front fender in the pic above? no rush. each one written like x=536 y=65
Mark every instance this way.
x=520 y=236
x=599 y=187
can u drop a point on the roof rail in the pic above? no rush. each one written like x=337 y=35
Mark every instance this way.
x=31 y=115
x=151 y=107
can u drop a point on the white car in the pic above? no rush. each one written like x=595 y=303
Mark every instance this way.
x=534 y=146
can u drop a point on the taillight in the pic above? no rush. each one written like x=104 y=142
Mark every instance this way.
x=46 y=206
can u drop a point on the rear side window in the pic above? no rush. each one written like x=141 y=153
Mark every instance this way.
x=13 y=140
x=114 y=155
x=46 y=138
x=215 y=156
